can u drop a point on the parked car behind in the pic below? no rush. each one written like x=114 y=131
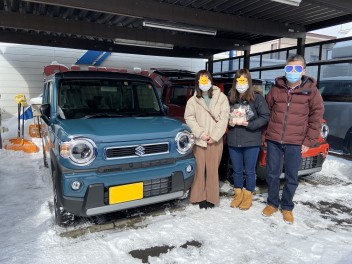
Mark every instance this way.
x=337 y=96
x=109 y=145
x=176 y=94
x=161 y=76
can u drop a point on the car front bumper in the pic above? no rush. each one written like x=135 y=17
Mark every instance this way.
x=312 y=161
x=96 y=200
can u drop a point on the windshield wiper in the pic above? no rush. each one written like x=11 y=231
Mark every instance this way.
x=98 y=115
x=149 y=114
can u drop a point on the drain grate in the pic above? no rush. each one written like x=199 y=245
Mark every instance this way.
x=321 y=180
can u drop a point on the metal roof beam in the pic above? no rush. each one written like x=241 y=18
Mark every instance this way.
x=75 y=43
x=73 y=27
x=154 y=10
x=342 y=5
x=330 y=22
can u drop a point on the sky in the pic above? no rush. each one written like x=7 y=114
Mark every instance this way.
x=322 y=232
x=338 y=31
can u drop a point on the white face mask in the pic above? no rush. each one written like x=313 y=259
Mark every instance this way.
x=242 y=88
x=205 y=87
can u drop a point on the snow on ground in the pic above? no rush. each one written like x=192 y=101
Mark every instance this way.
x=322 y=232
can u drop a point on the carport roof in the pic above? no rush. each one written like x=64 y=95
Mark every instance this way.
x=100 y=25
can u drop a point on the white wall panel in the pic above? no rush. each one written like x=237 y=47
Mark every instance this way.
x=21 y=68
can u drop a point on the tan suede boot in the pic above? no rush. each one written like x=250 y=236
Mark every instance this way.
x=237 y=198
x=269 y=210
x=247 y=200
x=288 y=216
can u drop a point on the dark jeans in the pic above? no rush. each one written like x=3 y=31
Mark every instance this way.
x=276 y=155
x=246 y=156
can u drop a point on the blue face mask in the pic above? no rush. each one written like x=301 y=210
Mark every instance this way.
x=293 y=77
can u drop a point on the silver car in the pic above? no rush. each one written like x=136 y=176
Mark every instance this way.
x=337 y=95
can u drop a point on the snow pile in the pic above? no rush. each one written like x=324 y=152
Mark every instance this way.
x=321 y=233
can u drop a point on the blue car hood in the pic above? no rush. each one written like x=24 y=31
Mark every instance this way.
x=105 y=130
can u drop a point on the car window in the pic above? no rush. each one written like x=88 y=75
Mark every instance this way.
x=227 y=88
x=46 y=93
x=82 y=98
x=336 y=90
x=179 y=94
x=267 y=87
x=164 y=94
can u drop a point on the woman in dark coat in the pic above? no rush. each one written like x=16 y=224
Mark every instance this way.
x=248 y=114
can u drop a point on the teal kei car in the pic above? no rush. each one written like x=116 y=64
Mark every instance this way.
x=110 y=146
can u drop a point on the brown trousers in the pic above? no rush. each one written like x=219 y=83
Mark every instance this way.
x=205 y=185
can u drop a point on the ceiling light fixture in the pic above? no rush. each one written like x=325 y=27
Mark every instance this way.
x=289 y=2
x=179 y=27
x=145 y=44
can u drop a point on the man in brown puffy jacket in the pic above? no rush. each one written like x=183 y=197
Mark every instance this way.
x=296 y=112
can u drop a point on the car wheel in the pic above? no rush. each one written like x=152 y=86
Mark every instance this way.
x=348 y=141
x=229 y=176
x=260 y=172
x=63 y=218
x=229 y=171
x=45 y=160
x=46 y=165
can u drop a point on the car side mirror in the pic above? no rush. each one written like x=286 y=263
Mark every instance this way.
x=45 y=111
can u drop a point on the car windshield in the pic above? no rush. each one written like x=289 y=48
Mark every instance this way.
x=106 y=98
x=336 y=90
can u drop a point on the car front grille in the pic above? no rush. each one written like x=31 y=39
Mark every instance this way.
x=157 y=187
x=136 y=165
x=309 y=163
x=136 y=150
x=151 y=188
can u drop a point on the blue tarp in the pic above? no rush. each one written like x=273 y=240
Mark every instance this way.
x=28 y=114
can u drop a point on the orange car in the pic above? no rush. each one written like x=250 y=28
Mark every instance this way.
x=176 y=93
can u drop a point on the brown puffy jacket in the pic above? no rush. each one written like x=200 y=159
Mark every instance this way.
x=296 y=117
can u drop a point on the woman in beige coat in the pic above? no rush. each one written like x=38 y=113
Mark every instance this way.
x=207 y=114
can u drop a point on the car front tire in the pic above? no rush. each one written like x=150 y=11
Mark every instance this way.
x=63 y=218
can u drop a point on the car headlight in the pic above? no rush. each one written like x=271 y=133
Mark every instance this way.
x=80 y=151
x=184 y=141
x=324 y=131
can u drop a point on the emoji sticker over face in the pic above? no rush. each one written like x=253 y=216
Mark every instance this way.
x=242 y=84
x=242 y=80
x=203 y=80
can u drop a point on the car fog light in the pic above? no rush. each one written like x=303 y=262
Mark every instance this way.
x=75 y=185
x=189 y=168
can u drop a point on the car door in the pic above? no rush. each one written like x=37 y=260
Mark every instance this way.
x=177 y=98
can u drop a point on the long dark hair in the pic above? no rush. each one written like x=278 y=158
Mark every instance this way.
x=199 y=91
x=249 y=94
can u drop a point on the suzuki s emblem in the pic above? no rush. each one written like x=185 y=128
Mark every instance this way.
x=139 y=151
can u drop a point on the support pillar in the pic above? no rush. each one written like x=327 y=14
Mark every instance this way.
x=246 y=60
x=210 y=64
x=301 y=42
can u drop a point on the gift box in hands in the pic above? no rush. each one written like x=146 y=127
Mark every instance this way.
x=238 y=116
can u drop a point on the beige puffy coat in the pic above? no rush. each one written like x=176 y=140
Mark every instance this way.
x=200 y=118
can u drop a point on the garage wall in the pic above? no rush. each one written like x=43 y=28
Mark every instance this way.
x=21 y=68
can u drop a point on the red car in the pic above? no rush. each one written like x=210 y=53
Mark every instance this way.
x=176 y=93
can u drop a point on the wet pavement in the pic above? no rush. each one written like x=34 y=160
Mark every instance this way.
x=143 y=254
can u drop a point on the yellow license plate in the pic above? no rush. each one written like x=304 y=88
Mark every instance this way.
x=125 y=193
